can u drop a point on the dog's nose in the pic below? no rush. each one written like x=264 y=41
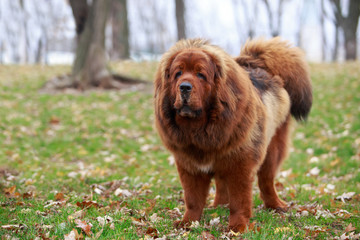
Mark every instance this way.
x=185 y=87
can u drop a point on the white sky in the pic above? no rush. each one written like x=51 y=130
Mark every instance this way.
x=217 y=20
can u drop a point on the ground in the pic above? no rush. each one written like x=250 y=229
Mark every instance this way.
x=79 y=165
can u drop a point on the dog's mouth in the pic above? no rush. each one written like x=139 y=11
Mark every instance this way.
x=187 y=112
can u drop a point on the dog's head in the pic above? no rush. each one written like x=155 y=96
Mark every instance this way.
x=194 y=80
x=191 y=76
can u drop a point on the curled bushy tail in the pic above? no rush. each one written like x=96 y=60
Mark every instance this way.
x=280 y=58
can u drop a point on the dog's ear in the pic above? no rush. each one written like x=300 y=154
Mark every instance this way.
x=226 y=99
x=166 y=62
x=167 y=73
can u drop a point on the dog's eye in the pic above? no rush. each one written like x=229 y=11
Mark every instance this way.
x=178 y=74
x=201 y=76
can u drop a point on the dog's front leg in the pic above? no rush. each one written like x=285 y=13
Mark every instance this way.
x=196 y=189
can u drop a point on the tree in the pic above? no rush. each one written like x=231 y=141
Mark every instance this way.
x=250 y=16
x=89 y=68
x=274 y=27
x=348 y=24
x=180 y=19
x=120 y=30
x=323 y=33
x=80 y=12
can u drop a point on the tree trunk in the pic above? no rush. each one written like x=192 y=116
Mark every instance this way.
x=275 y=29
x=323 y=33
x=335 y=55
x=89 y=68
x=80 y=13
x=350 y=25
x=180 y=19
x=120 y=30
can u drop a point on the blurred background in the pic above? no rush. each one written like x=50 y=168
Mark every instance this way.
x=45 y=31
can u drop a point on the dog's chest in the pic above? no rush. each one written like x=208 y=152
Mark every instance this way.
x=205 y=168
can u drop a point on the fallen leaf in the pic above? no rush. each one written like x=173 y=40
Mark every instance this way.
x=84 y=226
x=282 y=229
x=87 y=204
x=77 y=214
x=207 y=235
x=215 y=221
x=112 y=226
x=73 y=235
x=104 y=220
x=10 y=192
x=345 y=196
x=28 y=195
x=154 y=218
x=335 y=162
x=152 y=203
x=123 y=192
x=137 y=221
x=350 y=228
x=314 y=171
x=324 y=214
x=153 y=232
x=174 y=213
x=59 y=197
x=98 y=234
x=54 y=120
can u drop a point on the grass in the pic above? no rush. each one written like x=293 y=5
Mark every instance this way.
x=58 y=152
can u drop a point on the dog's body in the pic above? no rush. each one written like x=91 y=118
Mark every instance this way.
x=229 y=119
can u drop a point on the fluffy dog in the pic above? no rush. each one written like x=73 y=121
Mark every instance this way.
x=228 y=119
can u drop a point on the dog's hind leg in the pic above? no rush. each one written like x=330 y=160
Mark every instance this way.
x=221 y=195
x=276 y=153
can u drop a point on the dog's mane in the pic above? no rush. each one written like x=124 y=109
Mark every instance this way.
x=233 y=88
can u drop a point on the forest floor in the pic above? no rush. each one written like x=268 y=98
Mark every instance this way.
x=78 y=165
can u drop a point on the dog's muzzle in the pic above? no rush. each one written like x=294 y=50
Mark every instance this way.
x=185 y=91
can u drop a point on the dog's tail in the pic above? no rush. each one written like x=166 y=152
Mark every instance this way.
x=280 y=58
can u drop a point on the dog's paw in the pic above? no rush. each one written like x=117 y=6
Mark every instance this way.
x=279 y=207
x=242 y=228
x=182 y=224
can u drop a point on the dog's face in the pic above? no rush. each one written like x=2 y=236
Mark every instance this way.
x=191 y=77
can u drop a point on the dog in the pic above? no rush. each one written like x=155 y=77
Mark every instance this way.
x=229 y=119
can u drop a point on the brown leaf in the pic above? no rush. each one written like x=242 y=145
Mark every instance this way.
x=10 y=192
x=174 y=213
x=59 y=197
x=87 y=204
x=14 y=227
x=98 y=234
x=152 y=203
x=54 y=120
x=28 y=195
x=335 y=162
x=84 y=226
x=350 y=228
x=73 y=235
x=152 y=232
x=207 y=235
x=77 y=214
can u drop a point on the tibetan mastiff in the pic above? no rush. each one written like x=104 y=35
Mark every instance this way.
x=228 y=118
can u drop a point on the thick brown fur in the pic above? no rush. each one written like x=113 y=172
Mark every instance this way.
x=229 y=119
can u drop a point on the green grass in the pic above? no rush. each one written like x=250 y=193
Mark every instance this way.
x=78 y=144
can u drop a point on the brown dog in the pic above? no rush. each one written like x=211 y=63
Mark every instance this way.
x=229 y=119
